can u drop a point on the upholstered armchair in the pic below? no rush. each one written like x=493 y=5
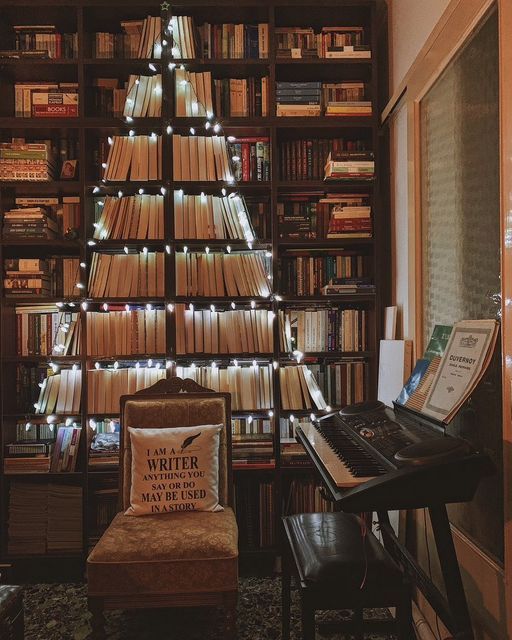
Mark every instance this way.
x=169 y=559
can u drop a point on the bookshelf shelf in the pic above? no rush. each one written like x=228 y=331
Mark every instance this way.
x=89 y=131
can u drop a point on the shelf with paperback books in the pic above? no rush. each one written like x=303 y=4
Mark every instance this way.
x=141 y=217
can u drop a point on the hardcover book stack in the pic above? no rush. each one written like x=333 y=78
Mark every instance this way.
x=253 y=451
x=104 y=449
x=27 y=161
x=350 y=165
x=25 y=277
x=46 y=99
x=45 y=41
x=233 y=40
x=251 y=158
x=30 y=222
x=27 y=457
x=140 y=39
x=346 y=99
x=349 y=215
x=298 y=98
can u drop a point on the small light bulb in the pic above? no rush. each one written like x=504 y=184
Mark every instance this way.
x=129 y=118
x=207 y=250
x=249 y=419
x=141 y=191
x=185 y=249
x=105 y=306
x=223 y=191
x=328 y=408
x=168 y=364
x=235 y=362
x=163 y=190
x=233 y=305
x=127 y=307
x=97 y=365
x=171 y=65
x=152 y=66
x=110 y=140
x=119 y=194
x=192 y=131
x=131 y=133
x=116 y=365
x=191 y=307
x=212 y=308
x=228 y=248
x=170 y=307
x=84 y=306
x=83 y=265
x=292 y=418
x=312 y=417
x=96 y=190
x=275 y=364
x=91 y=243
x=168 y=248
x=69 y=422
x=270 y=414
x=149 y=306
x=168 y=129
x=253 y=304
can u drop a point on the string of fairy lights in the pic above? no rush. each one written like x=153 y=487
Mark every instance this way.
x=170 y=54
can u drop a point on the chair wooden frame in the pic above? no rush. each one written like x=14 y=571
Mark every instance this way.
x=172 y=388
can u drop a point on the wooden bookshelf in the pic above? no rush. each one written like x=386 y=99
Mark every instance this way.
x=87 y=16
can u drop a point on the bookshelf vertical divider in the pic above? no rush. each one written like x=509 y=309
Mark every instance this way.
x=89 y=16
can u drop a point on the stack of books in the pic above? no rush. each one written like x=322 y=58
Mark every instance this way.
x=107 y=97
x=46 y=99
x=355 y=284
x=43 y=331
x=30 y=222
x=253 y=451
x=296 y=42
x=238 y=331
x=28 y=457
x=251 y=158
x=44 y=40
x=27 y=161
x=343 y=382
x=298 y=98
x=118 y=333
x=240 y=97
x=64 y=528
x=233 y=40
x=120 y=275
x=27 y=518
x=27 y=277
x=250 y=387
x=140 y=39
x=140 y=216
x=350 y=165
x=222 y=274
x=143 y=96
x=297 y=216
x=136 y=158
x=346 y=99
x=60 y=393
x=299 y=389
x=209 y=216
x=349 y=216
x=106 y=386
x=343 y=42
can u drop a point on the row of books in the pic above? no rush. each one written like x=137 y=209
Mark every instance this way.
x=106 y=97
x=143 y=96
x=312 y=330
x=304 y=274
x=139 y=216
x=193 y=93
x=200 y=158
x=250 y=387
x=50 y=277
x=44 y=331
x=251 y=158
x=137 y=158
x=28 y=379
x=250 y=426
x=312 y=216
x=140 y=39
x=131 y=275
x=298 y=98
x=349 y=166
x=43 y=41
x=46 y=99
x=330 y=42
x=299 y=389
x=237 y=331
x=305 y=159
x=56 y=456
x=65 y=211
x=241 y=97
x=255 y=513
x=220 y=274
x=306 y=496
x=60 y=393
x=253 y=451
x=106 y=386
x=342 y=383
x=118 y=333
x=44 y=518
x=209 y=216
x=220 y=41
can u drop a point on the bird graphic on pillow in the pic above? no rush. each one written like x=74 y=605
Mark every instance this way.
x=188 y=441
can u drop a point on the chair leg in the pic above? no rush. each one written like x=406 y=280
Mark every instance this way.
x=308 y=618
x=230 y=627
x=358 y=620
x=98 y=619
x=286 y=588
x=404 y=615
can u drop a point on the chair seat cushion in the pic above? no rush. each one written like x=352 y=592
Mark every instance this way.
x=166 y=553
x=330 y=552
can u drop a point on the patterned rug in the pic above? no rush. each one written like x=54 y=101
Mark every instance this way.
x=59 y=612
